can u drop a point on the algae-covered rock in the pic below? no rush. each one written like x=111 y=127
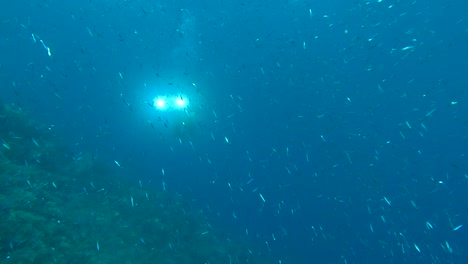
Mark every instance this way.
x=60 y=208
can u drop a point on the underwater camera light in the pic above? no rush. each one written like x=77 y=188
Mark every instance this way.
x=160 y=103
x=172 y=103
x=180 y=102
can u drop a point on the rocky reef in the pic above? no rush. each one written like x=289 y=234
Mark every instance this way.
x=56 y=207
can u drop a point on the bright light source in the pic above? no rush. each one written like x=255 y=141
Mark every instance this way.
x=180 y=102
x=171 y=103
x=160 y=103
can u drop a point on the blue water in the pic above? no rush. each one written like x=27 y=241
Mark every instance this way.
x=322 y=131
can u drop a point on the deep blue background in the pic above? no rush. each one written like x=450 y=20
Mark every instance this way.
x=277 y=101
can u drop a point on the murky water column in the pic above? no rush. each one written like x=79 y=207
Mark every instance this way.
x=184 y=54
